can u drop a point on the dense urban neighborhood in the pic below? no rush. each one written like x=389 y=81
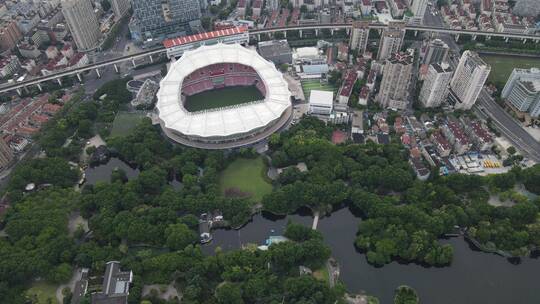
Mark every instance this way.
x=265 y=151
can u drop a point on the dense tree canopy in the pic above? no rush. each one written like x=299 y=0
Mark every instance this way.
x=152 y=228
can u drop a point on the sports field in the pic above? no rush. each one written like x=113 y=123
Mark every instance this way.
x=502 y=66
x=222 y=98
x=308 y=85
x=247 y=176
x=124 y=122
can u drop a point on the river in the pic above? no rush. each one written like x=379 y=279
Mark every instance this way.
x=473 y=277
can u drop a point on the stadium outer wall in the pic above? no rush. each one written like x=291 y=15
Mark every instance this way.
x=250 y=139
x=276 y=103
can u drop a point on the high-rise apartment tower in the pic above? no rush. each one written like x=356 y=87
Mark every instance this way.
x=468 y=81
x=82 y=23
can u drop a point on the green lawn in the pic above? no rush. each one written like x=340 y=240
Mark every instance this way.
x=246 y=175
x=502 y=66
x=124 y=122
x=222 y=98
x=309 y=85
x=41 y=292
x=322 y=274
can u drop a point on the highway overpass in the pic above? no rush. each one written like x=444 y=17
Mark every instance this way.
x=255 y=33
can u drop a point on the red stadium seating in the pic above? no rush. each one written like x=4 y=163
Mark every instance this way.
x=234 y=74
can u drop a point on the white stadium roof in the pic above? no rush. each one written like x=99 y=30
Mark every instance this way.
x=226 y=121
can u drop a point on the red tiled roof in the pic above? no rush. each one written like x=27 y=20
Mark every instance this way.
x=364 y=92
x=39 y=118
x=348 y=83
x=75 y=59
x=51 y=108
x=203 y=36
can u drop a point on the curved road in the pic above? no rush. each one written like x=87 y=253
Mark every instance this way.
x=486 y=107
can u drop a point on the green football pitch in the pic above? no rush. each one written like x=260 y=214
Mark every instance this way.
x=308 y=85
x=222 y=98
x=502 y=66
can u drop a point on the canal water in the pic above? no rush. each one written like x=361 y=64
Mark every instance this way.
x=474 y=277
x=102 y=173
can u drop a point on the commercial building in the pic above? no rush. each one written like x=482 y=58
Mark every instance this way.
x=8 y=66
x=177 y=46
x=9 y=34
x=524 y=95
x=522 y=91
x=321 y=102
x=468 y=81
x=435 y=88
x=391 y=39
x=120 y=7
x=115 y=287
x=359 y=36
x=82 y=23
x=437 y=52
x=157 y=19
x=29 y=50
x=146 y=95
x=394 y=90
x=418 y=9
x=277 y=51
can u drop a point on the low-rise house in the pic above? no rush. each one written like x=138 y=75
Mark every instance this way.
x=399 y=128
x=78 y=60
x=343 y=52
x=456 y=136
x=441 y=144
x=51 y=52
x=422 y=172
x=478 y=134
x=67 y=50
x=347 y=87
x=256 y=8
x=363 y=96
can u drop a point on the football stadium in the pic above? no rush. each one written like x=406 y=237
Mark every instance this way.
x=222 y=96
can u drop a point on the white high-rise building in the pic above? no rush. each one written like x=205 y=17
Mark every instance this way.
x=394 y=89
x=468 y=81
x=435 y=88
x=120 y=7
x=359 y=36
x=82 y=23
x=391 y=39
x=272 y=5
x=522 y=90
x=517 y=74
x=418 y=8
